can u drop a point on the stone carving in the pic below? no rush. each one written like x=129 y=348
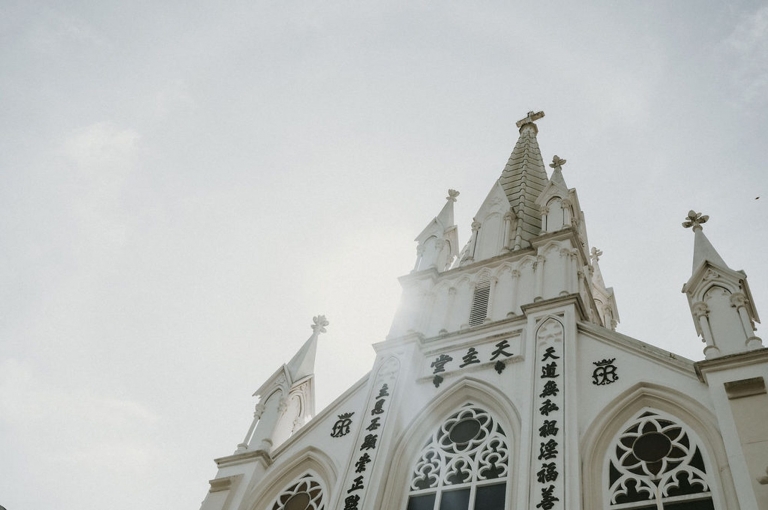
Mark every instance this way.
x=320 y=322
x=307 y=494
x=469 y=446
x=452 y=194
x=695 y=220
x=557 y=162
x=655 y=457
x=529 y=118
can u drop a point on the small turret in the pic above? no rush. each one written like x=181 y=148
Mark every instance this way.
x=719 y=298
x=287 y=398
x=605 y=301
x=438 y=243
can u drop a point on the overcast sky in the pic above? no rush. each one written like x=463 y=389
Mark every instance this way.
x=183 y=185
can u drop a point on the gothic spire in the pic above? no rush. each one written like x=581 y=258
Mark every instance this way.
x=702 y=248
x=303 y=362
x=557 y=172
x=438 y=242
x=719 y=298
x=524 y=177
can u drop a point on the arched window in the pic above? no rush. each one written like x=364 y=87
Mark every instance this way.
x=656 y=463
x=464 y=465
x=306 y=494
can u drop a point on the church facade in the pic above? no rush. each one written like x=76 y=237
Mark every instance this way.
x=502 y=383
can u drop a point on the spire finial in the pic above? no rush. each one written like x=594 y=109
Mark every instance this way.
x=695 y=220
x=557 y=163
x=452 y=194
x=320 y=322
x=529 y=118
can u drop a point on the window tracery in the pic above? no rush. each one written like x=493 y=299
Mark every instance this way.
x=306 y=494
x=463 y=465
x=656 y=464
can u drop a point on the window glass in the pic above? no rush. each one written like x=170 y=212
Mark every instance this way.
x=654 y=463
x=490 y=497
x=455 y=500
x=462 y=465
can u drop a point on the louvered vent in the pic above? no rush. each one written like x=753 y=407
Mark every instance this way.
x=480 y=303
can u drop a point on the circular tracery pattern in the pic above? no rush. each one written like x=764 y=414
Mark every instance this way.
x=655 y=458
x=307 y=494
x=468 y=446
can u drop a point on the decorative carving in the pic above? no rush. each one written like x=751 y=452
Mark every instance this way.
x=282 y=406
x=738 y=300
x=695 y=220
x=557 y=162
x=258 y=410
x=320 y=322
x=605 y=372
x=596 y=254
x=341 y=427
x=700 y=309
x=452 y=194
x=306 y=494
x=529 y=118
x=656 y=456
x=469 y=446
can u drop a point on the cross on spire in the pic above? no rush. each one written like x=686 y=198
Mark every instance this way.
x=529 y=118
x=695 y=220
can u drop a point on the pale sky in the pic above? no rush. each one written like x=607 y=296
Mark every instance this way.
x=183 y=185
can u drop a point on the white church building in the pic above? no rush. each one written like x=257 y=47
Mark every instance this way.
x=502 y=383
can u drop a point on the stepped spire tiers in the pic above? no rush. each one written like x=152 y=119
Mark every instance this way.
x=719 y=298
x=286 y=399
x=523 y=179
x=528 y=244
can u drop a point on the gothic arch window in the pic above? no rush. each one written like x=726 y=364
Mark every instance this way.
x=555 y=218
x=463 y=465
x=656 y=463
x=305 y=494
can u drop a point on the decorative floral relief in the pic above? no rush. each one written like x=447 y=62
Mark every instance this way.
x=307 y=494
x=655 y=458
x=467 y=447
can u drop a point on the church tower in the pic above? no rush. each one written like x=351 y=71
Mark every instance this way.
x=503 y=384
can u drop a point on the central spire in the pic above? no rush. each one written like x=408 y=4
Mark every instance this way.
x=524 y=177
